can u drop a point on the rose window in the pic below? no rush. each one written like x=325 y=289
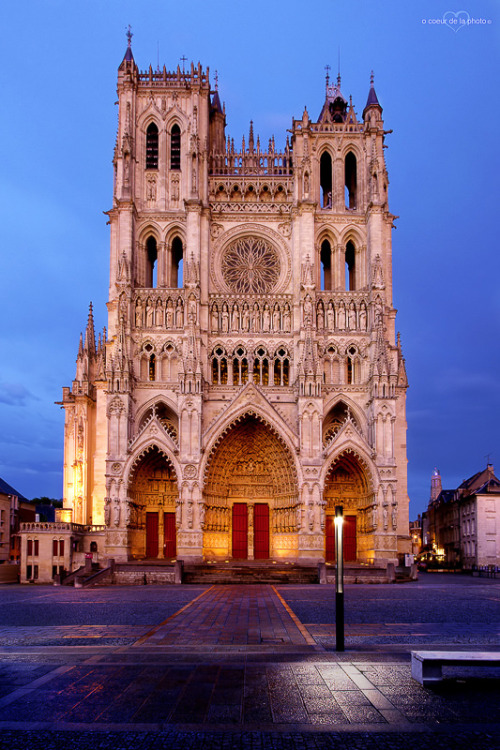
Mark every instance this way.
x=250 y=265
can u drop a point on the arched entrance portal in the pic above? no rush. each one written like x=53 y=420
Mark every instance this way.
x=347 y=485
x=153 y=493
x=251 y=497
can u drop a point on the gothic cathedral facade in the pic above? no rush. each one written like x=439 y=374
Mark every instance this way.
x=250 y=379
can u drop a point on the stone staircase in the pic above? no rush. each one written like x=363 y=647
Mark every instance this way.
x=248 y=572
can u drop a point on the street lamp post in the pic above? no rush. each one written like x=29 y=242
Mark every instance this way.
x=339 y=578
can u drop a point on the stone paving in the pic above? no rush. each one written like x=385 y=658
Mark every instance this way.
x=234 y=666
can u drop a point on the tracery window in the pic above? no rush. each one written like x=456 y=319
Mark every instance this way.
x=240 y=367
x=331 y=366
x=219 y=366
x=250 y=265
x=261 y=367
x=352 y=366
x=152 y=146
x=282 y=367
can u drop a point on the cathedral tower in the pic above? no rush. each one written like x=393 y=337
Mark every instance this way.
x=250 y=378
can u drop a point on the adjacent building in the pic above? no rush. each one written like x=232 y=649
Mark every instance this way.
x=250 y=378
x=461 y=527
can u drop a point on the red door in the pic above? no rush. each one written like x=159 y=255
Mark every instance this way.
x=261 y=516
x=349 y=539
x=330 y=539
x=151 y=534
x=170 y=547
x=240 y=531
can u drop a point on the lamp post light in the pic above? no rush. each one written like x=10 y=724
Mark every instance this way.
x=339 y=578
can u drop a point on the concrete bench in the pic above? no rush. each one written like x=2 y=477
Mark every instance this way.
x=426 y=666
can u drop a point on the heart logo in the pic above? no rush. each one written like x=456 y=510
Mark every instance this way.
x=456 y=21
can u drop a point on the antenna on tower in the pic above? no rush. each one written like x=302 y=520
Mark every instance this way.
x=338 y=68
x=183 y=60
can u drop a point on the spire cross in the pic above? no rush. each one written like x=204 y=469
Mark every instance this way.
x=216 y=80
x=328 y=69
x=371 y=78
x=183 y=60
x=129 y=36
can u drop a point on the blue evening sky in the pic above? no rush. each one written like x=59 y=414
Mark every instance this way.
x=438 y=85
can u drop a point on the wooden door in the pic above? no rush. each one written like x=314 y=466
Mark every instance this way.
x=261 y=536
x=349 y=539
x=330 y=539
x=151 y=534
x=240 y=531
x=170 y=547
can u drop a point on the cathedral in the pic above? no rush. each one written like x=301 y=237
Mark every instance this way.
x=250 y=378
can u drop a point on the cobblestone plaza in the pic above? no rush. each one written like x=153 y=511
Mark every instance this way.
x=245 y=666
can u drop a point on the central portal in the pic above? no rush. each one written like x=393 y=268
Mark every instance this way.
x=250 y=495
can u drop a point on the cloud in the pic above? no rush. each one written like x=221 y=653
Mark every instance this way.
x=15 y=394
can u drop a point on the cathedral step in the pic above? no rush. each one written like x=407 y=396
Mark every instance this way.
x=251 y=572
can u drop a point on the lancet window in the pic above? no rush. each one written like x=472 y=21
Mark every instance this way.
x=219 y=366
x=350 y=267
x=281 y=367
x=326 y=265
x=325 y=177
x=350 y=169
x=151 y=262
x=175 y=147
x=152 y=146
x=177 y=263
x=261 y=367
x=240 y=367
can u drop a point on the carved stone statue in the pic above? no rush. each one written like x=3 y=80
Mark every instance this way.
x=330 y=317
x=169 y=315
x=225 y=319
x=266 y=319
x=215 y=318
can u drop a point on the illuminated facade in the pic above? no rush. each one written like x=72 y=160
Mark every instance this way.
x=250 y=378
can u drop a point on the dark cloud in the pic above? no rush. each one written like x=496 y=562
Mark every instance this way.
x=15 y=394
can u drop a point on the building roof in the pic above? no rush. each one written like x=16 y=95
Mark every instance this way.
x=6 y=489
x=479 y=482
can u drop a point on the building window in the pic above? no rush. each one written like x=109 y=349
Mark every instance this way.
x=350 y=267
x=326 y=265
x=152 y=367
x=35 y=572
x=175 y=147
x=152 y=147
x=29 y=572
x=261 y=367
x=219 y=367
x=282 y=368
x=350 y=180
x=29 y=550
x=176 y=268
x=325 y=177
x=240 y=367
x=151 y=265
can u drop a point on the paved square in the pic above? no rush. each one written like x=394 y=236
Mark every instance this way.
x=245 y=666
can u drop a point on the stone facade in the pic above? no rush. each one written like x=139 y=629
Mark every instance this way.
x=461 y=527
x=250 y=378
